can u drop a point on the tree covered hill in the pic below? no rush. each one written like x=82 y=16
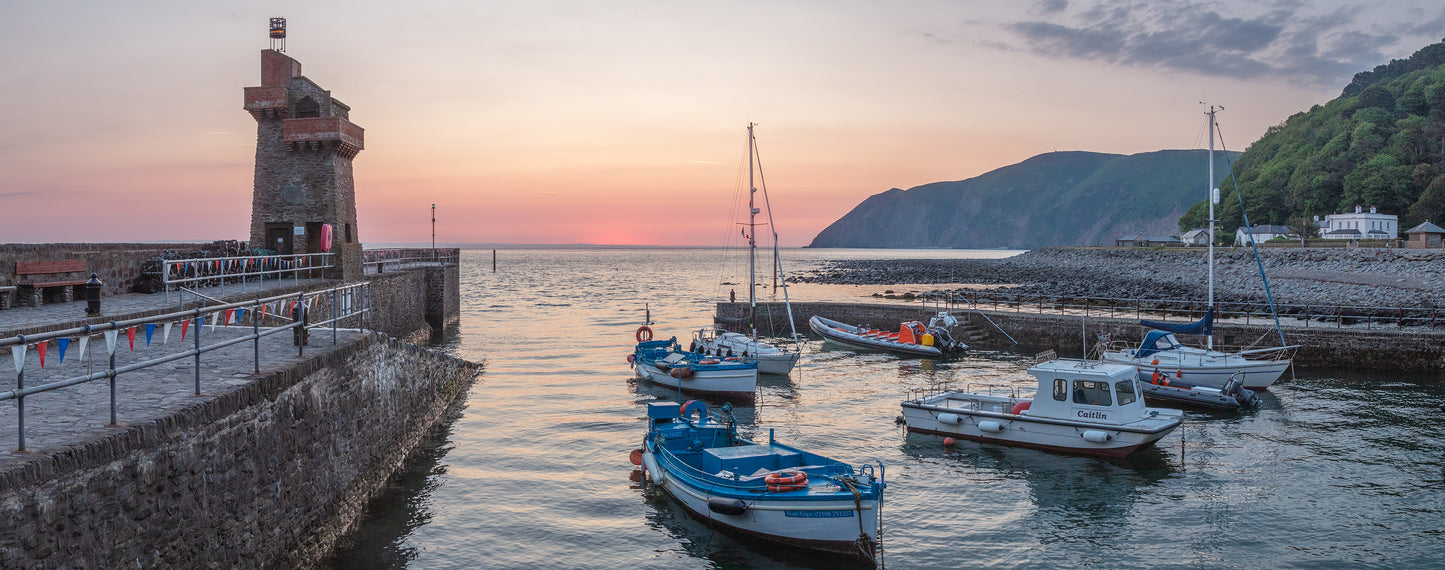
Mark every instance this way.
x=1059 y=198
x=1381 y=143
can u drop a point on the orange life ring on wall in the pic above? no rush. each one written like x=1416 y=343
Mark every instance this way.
x=644 y=333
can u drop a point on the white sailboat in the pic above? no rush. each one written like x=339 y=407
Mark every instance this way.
x=1161 y=358
x=716 y=342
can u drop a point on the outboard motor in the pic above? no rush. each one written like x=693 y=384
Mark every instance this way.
x=1235 y=387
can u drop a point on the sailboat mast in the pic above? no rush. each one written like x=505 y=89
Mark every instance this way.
x=752 y=239
x=1210 y=193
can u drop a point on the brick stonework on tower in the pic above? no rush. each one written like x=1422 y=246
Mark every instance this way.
x=304 y=147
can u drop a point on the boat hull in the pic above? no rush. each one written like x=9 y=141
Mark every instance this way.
x=815 y=525
x=730 y=383
x=1213 y=371
x=770 y=359
x=1064 y=436
x=830 y=331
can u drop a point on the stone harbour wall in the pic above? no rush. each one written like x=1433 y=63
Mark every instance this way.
x=1353 y=347
x=268 y=475
x=117 y=264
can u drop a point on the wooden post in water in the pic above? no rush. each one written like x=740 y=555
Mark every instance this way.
x=494 y=261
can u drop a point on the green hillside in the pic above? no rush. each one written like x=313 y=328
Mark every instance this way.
x=1381 y=143
x=1059 y=198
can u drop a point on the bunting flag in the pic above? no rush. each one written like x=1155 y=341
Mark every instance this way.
x=62 y=344
x=18 y=353
x=213 y=317
x=84 y=342
x=110 y=341
x=229 y=313
x=40 y=349
x=185 y=324
x=240 y=315
x=150 y=330
x=130 y=334
x=166 y=332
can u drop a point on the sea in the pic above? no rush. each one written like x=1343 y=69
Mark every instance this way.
x=1336 y=469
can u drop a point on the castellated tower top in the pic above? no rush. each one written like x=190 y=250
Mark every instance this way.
x=304 y=189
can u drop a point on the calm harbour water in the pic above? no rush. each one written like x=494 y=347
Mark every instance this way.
x=1335 y=469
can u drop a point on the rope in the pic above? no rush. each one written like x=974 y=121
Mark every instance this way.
x=1253 y=243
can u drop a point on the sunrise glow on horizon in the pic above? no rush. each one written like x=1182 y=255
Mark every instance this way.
x=625 y=122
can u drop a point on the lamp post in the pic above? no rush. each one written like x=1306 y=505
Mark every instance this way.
x=433 y=232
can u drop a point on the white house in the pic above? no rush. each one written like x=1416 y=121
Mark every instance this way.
x=1195 y=237
x=1360 y=225
x=1262 y=233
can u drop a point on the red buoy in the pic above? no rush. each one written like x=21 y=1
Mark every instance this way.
x=636 y=457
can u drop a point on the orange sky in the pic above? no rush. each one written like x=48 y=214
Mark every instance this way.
x=624 y=122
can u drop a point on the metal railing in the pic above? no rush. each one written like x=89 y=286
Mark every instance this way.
x=217 y=271
x=345 y=302
x=377 y=260
x=1302 y=316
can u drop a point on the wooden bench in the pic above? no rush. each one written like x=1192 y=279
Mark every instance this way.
x=34 y=277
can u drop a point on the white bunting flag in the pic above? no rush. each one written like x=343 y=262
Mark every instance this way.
x=166 y=333
x=84 y=342
x=110 y=341
x=18 y=352
x=215 y=319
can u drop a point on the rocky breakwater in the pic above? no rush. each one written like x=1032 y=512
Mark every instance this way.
x=1318 y=277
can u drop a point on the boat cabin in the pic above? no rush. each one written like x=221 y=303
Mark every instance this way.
x=1157 y=341
x=1087 y=390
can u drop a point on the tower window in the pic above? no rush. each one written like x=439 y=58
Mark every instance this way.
x=307 y=107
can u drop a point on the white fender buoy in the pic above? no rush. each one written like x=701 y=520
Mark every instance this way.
x=991 y=427
x=1096 y=436
x=949 y=418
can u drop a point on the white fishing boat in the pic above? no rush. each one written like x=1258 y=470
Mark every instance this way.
x=1082 y=407
x=772 y=359
x=767 y=490
x=1161 y=352
x=665 y=363
x=912 y=338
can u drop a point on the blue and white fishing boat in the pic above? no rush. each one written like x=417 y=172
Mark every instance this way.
x=665 y=362
x=769 y=491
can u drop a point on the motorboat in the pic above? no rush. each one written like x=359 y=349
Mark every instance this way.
x=775 y=492
x=912 y=338
x=1162 y=353
x=718 y=343
x=1232 y=396
x=665 y=363
x=772 y=359
x=1084 y=407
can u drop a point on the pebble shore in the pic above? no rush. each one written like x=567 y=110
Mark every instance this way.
x=1297 y=276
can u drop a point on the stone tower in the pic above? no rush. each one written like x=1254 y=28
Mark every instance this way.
x=304 y=147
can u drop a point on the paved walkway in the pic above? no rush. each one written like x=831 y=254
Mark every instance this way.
x=54 y=316
x=73 y=414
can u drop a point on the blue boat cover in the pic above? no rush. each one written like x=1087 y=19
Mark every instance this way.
x=1204 y=326
x=1156 y=341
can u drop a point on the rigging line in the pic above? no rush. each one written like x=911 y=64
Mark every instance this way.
x=1253 y=243
x=777 y=256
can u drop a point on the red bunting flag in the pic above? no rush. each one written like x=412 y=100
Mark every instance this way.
x=229 y=312
x=185 y=324
x=40 y=348
x=130 y=334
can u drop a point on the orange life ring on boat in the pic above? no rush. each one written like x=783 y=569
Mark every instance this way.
x=787 y=478
x=644 y=333
x=1021 y=406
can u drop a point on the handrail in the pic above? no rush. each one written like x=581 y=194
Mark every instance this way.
x=1291 y=315
x=240 y=267
x=347 y=302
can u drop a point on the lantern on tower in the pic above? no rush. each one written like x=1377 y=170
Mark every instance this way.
x=278 y=34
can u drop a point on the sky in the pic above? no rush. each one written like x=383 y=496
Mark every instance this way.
x=624 y=122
